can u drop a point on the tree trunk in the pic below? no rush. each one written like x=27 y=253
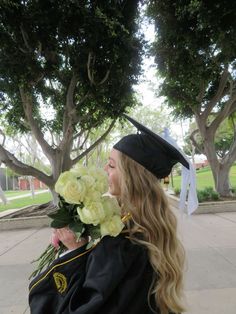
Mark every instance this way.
x=2 y=196
x=220 y=170
x=223 y=186
x=31 y=184
x=54 y=197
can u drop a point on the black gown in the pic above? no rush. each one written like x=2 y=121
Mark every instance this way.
x=112 y=278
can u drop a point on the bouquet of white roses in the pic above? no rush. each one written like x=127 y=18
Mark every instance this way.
x=84 y=207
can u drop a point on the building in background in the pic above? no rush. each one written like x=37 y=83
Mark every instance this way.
x=7 y=181
x=24 y=183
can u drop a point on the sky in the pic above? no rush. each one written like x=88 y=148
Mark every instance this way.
x=149 y=83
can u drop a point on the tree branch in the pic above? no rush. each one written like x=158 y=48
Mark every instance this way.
x=232 y=109
x=87 y=117
x=91 y=60
x=27 y=105
x=74 y=161
x=105 y=78
x=90 y=73
x=218 y=95
x=229 y=107
x=85 y=139
x=230 y=157
x=4 y=137
x=69 y=117
x=24 y=35
x=21 y=168
x=78 y=135
x=201 y=93
x=70 y=94
x=195 y=144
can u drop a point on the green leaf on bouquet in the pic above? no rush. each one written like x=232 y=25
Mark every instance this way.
x=70 y=208
x=57 y=224
x=94 y=231
x=77 y=227
x=61 y=218
x=61 y=214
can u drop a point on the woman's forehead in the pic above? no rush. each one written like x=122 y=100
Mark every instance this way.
x=114 y=155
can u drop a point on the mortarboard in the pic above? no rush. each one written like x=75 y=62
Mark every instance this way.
x=158 y=155
x=150 y=150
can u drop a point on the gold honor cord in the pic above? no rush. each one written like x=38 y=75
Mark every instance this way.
x=126 y=217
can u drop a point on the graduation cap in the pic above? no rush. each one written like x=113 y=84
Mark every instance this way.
x=158 y=156
x=150 y=150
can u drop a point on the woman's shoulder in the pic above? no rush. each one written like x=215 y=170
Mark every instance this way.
x=120 y=249
x=115 y=259
x=122 y=241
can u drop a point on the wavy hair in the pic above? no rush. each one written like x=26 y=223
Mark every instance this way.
x=143 y=197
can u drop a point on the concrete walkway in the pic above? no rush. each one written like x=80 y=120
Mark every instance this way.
x=210 y=242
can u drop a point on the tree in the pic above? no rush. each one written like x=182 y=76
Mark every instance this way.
x=223 y=138
x=195 y=52
x=65 y=68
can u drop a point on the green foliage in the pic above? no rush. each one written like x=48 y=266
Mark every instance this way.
x=45 y=43
x=208 y=194
x=27 y=201
x=195 y=40
x=195 y=52
x=177 y=191
x=223 y=139
x=66 y=215
x=204 y=178
x=233 y=189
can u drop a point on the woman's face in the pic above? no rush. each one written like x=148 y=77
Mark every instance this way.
x=113 y=173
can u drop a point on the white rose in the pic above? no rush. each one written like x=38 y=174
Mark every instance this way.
x=92 y=196
x=63 y=179
x=74 y=192
x=79 y=170
x=88 y=180
x=110 y=205
x=112 y=227
x=93 y=213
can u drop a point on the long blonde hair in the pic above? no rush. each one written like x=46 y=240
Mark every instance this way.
x=143 y=197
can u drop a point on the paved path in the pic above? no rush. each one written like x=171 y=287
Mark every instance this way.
x=210 y=242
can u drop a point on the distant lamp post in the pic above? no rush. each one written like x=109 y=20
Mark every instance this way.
x=6 y=175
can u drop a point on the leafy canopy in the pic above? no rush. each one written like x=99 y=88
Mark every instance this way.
x=195 y=42
x=44 y=44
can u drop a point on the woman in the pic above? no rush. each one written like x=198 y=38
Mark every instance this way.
x=139 y=271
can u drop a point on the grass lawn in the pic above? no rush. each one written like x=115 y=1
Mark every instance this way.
x=27 y=201
x=204 y=178
x=15 y=193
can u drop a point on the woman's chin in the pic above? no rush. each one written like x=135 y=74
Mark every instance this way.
x=112 y=192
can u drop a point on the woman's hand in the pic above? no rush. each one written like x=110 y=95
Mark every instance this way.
x=68 y=238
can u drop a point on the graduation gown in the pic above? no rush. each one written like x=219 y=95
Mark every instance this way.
x=112 y=278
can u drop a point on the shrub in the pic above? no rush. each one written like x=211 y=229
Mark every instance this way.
x=177 y=191
x=208 y=194
x=215 y=196
x=200 y=196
